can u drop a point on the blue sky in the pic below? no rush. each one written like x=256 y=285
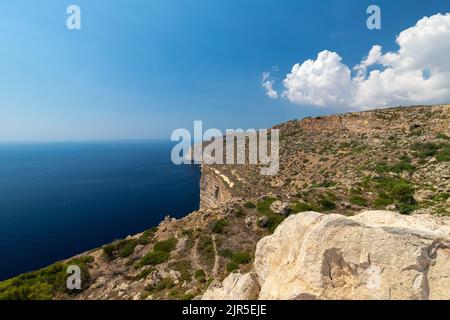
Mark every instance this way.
x=140 y=69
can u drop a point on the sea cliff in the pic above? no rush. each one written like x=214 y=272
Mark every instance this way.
x=358 y=210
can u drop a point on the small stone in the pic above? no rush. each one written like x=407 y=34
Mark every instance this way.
x=175 y=276
x=123 y=287
x=263 y=222
x=137 y=296
x=248 y=222
x=100 y=282
x=346 y=205
x=422 y=195
x=138 y=248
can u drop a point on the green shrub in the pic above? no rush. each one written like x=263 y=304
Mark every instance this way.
x=150 y=232
x=126 y=248
x=144 y=273
x=383 y=199
x=441 y=151
x=219 y=226
x=403 y=192
x=425 y=150
x=241 y=258
x=108 y=251
x=206 y=249
x=154 y=258
x=231 y=266
x=359 y=201
x=263 y=206
x=187 y=296
x=200 y=275
x=166 y=283
x=326 y=204
x=444 y=154
x=328 y=184
x=303 y=207
x=403 y=166
x=166 y=245
x=406 y=208
x=225 y=253
x=274 y=221
x=249 y=205
x=441 y=196
x=395 y=191
x=440 y=135
x=356 y=191
x=41 y=291
x=45 y=283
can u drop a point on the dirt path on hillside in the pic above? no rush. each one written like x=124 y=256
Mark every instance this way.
x=195 y=259
x=215 y=270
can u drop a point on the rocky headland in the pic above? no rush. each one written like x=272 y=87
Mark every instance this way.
x=358 y=210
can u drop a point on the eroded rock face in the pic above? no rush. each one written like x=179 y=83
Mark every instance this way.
x=374 y=255
x=234 y=287
x=214 y=190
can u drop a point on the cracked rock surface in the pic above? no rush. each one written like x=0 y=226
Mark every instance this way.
x=373 y=255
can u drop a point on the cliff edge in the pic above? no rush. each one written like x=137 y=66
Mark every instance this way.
x=261 y=236
x=373 y=255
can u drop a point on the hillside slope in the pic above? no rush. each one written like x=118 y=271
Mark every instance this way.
x=396 y=159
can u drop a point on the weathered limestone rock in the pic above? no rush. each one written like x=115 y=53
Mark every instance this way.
x=100 y=282
x=422 y=195
x=235 y=287
x=249 y=221
x=375 y=255
x=280 y=207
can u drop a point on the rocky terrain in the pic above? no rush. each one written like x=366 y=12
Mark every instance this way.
x=373 y=255
x=235 y=248
x=346 y=163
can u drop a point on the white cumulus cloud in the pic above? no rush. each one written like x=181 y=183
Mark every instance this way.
x=321 y=82
x=267 y=84
x=417 y=73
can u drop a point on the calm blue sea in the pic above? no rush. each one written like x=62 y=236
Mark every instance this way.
x=60 y=199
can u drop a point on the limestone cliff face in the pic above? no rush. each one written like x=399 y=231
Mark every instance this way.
x=401 y=119
x=215 y=188
x=342 y=152
x=374 y=255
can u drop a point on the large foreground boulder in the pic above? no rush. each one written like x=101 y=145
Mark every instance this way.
x=374 y=255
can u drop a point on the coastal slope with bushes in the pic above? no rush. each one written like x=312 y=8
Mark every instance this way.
x=339 y=166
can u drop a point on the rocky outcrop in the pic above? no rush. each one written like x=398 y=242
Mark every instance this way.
x=214 y=188
x=280 y=207
x=234 y=287
x=381 y=119
x=374 y=255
